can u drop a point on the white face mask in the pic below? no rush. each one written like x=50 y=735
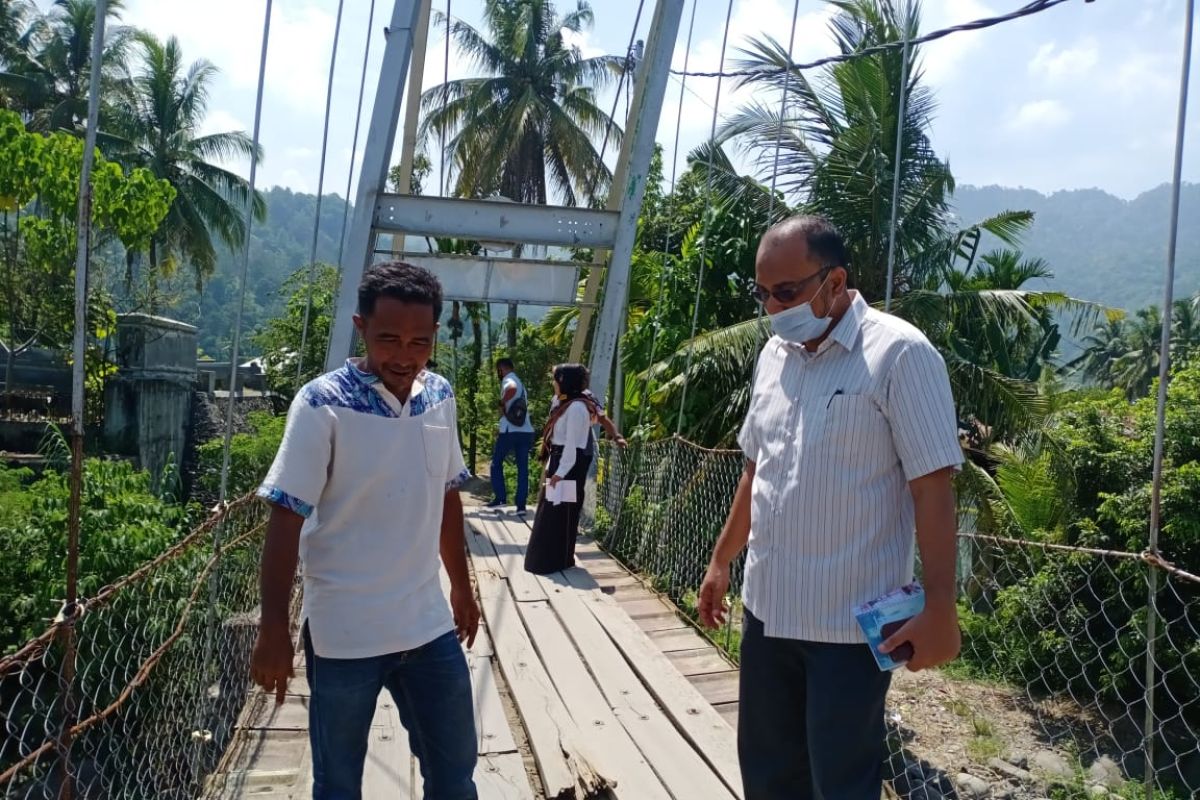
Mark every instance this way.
x=799 y=324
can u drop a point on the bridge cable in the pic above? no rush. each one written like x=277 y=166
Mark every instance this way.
x=362 y=86
x=312 y=253
x=898 y=154
x=708 y=206
x=1164 y=378
x=218 y=530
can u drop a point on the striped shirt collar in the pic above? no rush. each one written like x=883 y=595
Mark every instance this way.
x=847 y=332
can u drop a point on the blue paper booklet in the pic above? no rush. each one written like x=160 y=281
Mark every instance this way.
x=882 y=617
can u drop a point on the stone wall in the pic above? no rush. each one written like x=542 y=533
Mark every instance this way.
x=148 y=404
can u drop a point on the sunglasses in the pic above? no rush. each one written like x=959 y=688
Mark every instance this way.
x=787 y=292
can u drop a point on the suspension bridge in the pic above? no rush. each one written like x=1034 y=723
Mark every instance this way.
x=594 y=682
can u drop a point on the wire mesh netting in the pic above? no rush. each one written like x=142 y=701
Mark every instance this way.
x=1049 y=697
x=137 y=695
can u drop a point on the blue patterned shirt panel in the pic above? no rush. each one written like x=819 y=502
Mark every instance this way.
x=457 y=482
x=278 y=497
x=353 y=388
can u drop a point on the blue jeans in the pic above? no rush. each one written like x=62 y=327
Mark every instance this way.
x=520 y=444
x=810 y=719
x=432 y=689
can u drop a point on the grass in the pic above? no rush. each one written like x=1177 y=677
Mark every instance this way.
x=729 y=638
x=985 y=742
x=959 y=708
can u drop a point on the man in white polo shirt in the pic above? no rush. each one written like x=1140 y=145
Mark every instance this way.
x=364 y=490
x=851 y=443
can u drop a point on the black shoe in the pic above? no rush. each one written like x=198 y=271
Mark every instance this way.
x=520 y=512
x=496 y=504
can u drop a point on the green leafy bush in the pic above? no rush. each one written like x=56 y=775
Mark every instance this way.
x=124 y=524
x=250 y=456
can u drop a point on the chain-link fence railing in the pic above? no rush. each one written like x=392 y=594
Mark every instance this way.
x=1049 y=698
x=135 y=694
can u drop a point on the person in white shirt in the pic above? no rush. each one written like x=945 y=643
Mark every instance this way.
x=364 y=492
x=851 y=443
x=598 y=417
x=515 y=436
x=568 y=438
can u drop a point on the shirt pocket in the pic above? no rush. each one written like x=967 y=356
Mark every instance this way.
x=436 y=441
x=854 y=428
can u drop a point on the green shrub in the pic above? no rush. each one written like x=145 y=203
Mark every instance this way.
x=250 y=456
x=124 y=523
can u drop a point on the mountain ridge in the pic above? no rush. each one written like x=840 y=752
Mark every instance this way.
x=1100 y=248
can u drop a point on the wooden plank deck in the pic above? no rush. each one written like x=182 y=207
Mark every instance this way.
x=586 y=684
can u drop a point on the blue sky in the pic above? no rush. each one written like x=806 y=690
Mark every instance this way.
x=1083 y=95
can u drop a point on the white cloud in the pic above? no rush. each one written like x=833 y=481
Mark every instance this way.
x=301 y=153
x=751 y=19
x=229 y=34
x=222 y=121
x=296 y=180
x=1038 y=116
x=941 y=58
x=1056 y=64
x=583 y=41
x=1144 y=74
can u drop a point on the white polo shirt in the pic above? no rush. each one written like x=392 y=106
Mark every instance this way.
x=511 y=381
x=370 y=475
x=836 y=436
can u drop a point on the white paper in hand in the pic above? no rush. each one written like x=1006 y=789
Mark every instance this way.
x=564 y=492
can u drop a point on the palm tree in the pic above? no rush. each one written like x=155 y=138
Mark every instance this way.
x=837 y=141
x=1136 y=368
x=531 y=122
x=157 y=126
x=1125 y=353
x=1102 y=348
x=48 y=69
x=1185 y=330
x=14 y=24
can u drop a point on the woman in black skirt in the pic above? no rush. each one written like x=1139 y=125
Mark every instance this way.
x=568 y=438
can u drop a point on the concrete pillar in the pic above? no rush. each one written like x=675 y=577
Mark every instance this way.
x=148 y=404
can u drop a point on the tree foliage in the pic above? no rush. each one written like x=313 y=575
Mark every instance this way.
x=124 y=524
x=531 y=124
x=281 y=338
x=39 y=194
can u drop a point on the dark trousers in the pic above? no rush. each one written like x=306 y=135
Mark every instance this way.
x=810 y=721
x=552 y=541
x=519 y=444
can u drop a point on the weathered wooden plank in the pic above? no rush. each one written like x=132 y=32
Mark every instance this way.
x=683 y=770
x=721 y=687
x=618 y=581
x=491 y=725
x=479 y=546
x=663 y=621
x=390 y=770
x=264 y=764
x=620 y=757
x=511 y=555
x=702 y=661
x=263 y=714
x=563 y=758
x=624 y=592
x=729 y=712
x=687 y=707
x=637 y=608
x=676 y=639
x=502 y=777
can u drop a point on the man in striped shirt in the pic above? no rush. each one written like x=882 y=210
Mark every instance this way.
x=851 y=443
